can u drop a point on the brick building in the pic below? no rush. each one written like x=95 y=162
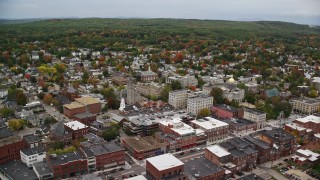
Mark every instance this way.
x=263 y=148
x=283 y=143
x=58 y=132
x=224 y=111
x=240 y=126
x=204 y=169
x=82 y=105
x=85 y=118
x=10 y=148
x=143 y=147
x=77 y=129
x=214 y=129
x=165 y=166
x=70 y=92
x=310 y=122
x=68 y=165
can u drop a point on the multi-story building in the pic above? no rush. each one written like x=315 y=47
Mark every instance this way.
x=224 y=111
x=58 y=132
x=177 y=134
x=165 y=166
x=85 y=118
x=236 y=95
x=309 y=122
x=186 y=81
x=82 y=105
x=301 y=133
x=240 y=126
x=33 y=155
x=263 y=148
x=283 y=143
x=10 y=148
x=178 y=99
x=143 y=147
x=214 y=129
x=68 y=165
x=305 y=105
x=254 y=115
x=77 y=129
x=133 y=95
x=148 y=76
x=16 y=170
x=195 y=104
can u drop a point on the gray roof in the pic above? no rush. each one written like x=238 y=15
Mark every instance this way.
x=237 y=153
x=42 y=168
x=65 y=158
x=31 y=138
x=18 y=170
x=278 y=135
x=34 y=150
x=104 y=148
x=254 y=111
x=257 y=142
x=202 y=167
x=92 y=139
x=226 y=107
x=84 y=115
x=251 y=177
x=5 y=132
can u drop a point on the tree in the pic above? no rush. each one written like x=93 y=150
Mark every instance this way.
x=204 y=113
x=85 y=77
x=16 y=124
x=313 y=93
x=5 y=112
x=165 y=93
x=112 y=133
x=105 y=72
x=217 y=94
x=33 y=79
x=176 y=85
x=201 y=82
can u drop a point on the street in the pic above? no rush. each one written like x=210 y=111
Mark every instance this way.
x=54 y=113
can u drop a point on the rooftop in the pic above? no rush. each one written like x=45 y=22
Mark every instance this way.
x=87 y=100
x=311 y=118
x=164 y=161
x=143 y=143
x=307 y=100
x=226 y=107
x=278 y=134
x=75 y=125
x=42 y=168
x=257 y=142
x=312 y=156
x=253 y=111
x=139 y=177
x=105 y=148
x=31 y=138
x=92 y=139
x=73 y=105
x=238 y=122
x=201 y=167
x=178 y=126
x=84 y=115
x=9 y=140
x=209 y=123
x=18 y=170
x=34 y=150
x=5 y=132
x=66 y=158
x=218 y=151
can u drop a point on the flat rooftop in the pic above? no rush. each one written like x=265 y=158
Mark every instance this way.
x=179 y=127
x=42 y=168
x=65 y=158
x=84 y=115
x=87 y=100
x=34 y=150
x=254 y=111
x=92 y=139
x=73 y=105
x=18 y=170
x=226 y=107
x=218 y=151
x=278 y=134
x=209 y=123
x=143 y=143
x=75 y=125
x=165 y=161
x=257 y=142
x=308 y=100
x=9 y=140
x=201 y=167
x=105 y=148
x=311 y=118
x=238 y=122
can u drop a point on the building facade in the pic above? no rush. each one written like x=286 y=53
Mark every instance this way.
x=195 y=104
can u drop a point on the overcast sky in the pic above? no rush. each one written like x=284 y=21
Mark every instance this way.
x=298 y=11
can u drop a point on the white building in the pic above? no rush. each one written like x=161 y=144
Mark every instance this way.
x=306 y=105
x=30 y=156
x=256 y=116
x=178 y=99
x=185 y=81
x=195 y=104
x=75 y=125
x=214 y=129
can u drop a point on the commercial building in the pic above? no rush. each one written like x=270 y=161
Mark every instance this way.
x=77 y=129
x=254 y=115
x=68 y=165
x=305 y=105
x=185 y=81
x=43 y=170
x=29 y=156
x=10 y=148
x=241 y=126
x=143 y=147
x=264 y=149
x=82 y=105
x=309 y=122
x=178 y=99
x=195 y=104
x=224 y=111
x=16 y=170
x=165 y=166
x=214 y=129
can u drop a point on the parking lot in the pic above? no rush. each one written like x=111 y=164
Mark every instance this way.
x=292 y=172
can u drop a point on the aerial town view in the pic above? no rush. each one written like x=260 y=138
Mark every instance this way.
x=160 y=90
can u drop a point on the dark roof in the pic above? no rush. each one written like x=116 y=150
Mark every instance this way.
x=5 y=132
x=92 y=139
x=18 y=170
x=253 y=111
x=226 y=145
x=226 y=107
x=84 y=115
x=201 y=167
x=278 y=135
x=45 y=128
x=238 y=122
x=257 y=142
x=237 y=153
x=131 y=107
x=42 y=168
x=238 y=142
x=105 y=148
x=31 y=138
x=65 y=158
x=34 y=150
x=63 y=99
x=250 y=177
x=58 y=128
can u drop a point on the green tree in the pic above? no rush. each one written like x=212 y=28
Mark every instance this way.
x=164 y=95
x=105 y=72
x=201 y=82
x=85 y=77
x=16 y=124
x=313 y=93
x=176 y=85
x=204 y=113
x=217 y=94
x=5 y=112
